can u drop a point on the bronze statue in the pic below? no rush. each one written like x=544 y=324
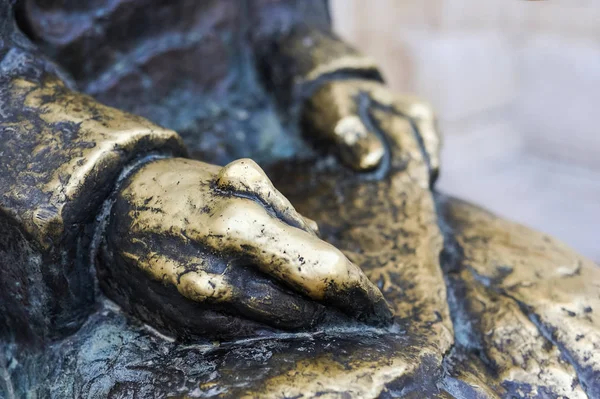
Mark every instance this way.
x=131 y=266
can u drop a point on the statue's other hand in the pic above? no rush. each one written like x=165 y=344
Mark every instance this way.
x=359 y=121
x=225 y=237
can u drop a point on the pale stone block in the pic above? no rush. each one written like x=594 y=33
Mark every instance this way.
x=560 y=200
x=564 y=17
x=463 y=73
x=469 y=144
x=560 y=98
x=472 y=151
x=384 y=15
x=506 y=16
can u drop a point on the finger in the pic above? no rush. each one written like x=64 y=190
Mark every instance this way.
x=408 y=155
x=298 y=259
x=432 y=144
x=425 y=121
x=238 y=288
x=259 y=298
x=246 y=177
x=331 y=115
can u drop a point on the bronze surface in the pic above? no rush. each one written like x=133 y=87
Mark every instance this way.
x=333 y=281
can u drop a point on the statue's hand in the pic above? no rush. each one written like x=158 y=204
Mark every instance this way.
x=360 y=121
x=225 y=237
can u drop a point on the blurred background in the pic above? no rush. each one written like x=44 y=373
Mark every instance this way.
x=516 y=85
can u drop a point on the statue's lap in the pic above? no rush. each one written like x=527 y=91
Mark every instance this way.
x=391 y=229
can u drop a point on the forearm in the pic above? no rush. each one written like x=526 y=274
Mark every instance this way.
x=297 y=56
x=62 y=153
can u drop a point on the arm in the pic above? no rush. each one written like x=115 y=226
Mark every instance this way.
x=183 y=269
x=328 y=87
x=61 y=155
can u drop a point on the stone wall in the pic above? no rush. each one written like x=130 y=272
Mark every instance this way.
x=517 y=88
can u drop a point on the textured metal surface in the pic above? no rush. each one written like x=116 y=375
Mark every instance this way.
x=482 y=307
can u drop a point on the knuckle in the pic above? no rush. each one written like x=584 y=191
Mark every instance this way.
x=235 y=215
x=221 y=220
x=422 y=109
x=244 y=171
x=203 y=286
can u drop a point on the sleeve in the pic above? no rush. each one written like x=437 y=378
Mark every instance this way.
x=297 y=51
x=61 y=154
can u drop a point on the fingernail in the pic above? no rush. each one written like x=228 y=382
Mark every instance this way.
x=359 y=148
